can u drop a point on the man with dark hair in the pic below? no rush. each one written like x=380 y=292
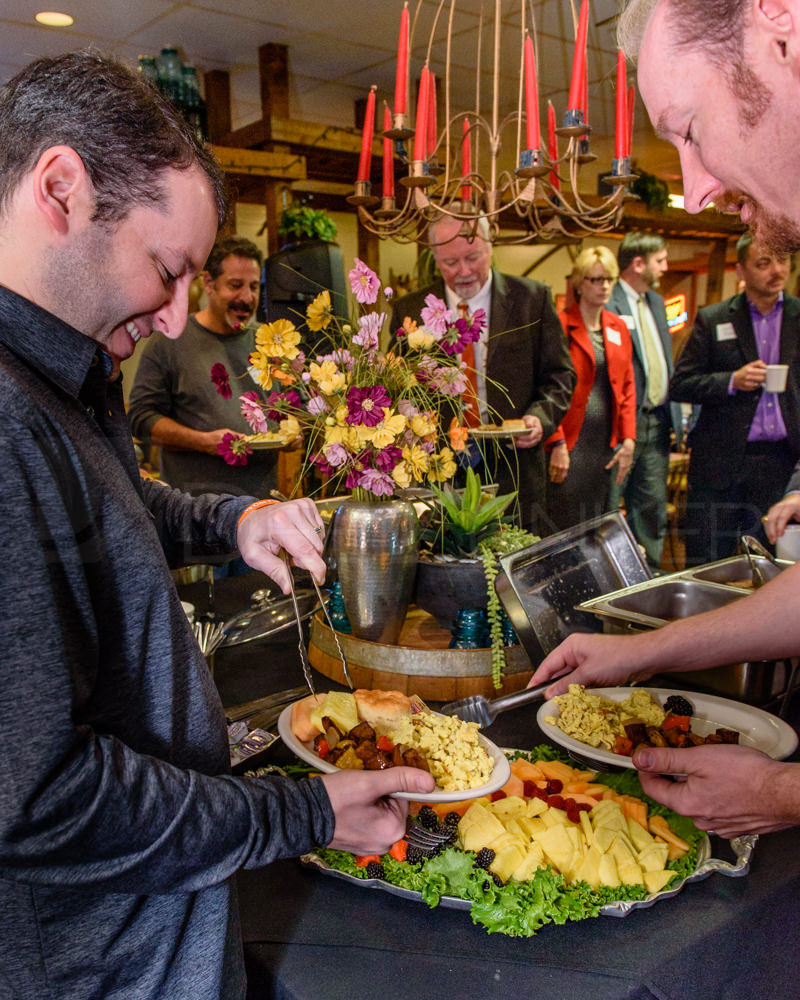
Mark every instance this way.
x=174 y=403
x=522 y=364
x=738 y=145
x=120 y=824
x=746 y=439
x=642 y=259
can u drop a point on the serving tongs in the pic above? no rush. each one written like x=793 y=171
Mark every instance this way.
x=753 y=547
x=302 y=643
x=483 y=711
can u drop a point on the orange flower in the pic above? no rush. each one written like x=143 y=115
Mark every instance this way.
x=285 y=378
x=458 y=435
x=409 y=325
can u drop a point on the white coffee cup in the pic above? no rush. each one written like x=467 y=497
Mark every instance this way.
x=776 y=378
x=788 y=545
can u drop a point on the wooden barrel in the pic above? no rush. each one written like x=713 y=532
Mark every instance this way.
x=420 y=663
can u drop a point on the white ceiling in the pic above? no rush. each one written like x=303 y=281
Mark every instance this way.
x=338 y=49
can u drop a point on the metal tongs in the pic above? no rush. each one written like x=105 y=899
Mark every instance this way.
x=753 y=547
x=302 y=643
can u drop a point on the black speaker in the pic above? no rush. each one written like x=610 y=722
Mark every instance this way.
x=293 y=277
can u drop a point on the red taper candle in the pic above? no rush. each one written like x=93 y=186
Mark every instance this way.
x=466 y=159
x=552 y=145
x=364 y=161
x=533 y=135
x=430 y=145
x=422 y=115
x=401 y=78
x=631 y=99
x=579 y=60
x=621 y=132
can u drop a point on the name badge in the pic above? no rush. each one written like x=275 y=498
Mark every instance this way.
x=629 y=322
x=725 y=331
x=613 y=336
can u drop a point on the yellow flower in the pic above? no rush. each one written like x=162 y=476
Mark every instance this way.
x=278 y=339
x=422 y=425
x=420 y=340
x=289 y=428
x=319 y=314
x=401 y=475
x=418 y=461
x=442 y=467
x=261 y=369
x=384 y=433
x=327 y=376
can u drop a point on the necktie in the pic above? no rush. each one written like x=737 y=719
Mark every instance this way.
x=472 y=417
x=656 y=383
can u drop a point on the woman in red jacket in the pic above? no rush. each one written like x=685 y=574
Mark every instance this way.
x=596 y=438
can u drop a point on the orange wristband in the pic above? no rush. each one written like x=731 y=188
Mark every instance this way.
x=254 y=506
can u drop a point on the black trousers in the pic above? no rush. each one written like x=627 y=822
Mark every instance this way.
x=717 y=518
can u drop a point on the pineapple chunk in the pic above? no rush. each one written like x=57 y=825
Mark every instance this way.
x=608 y=871
x=589 y=868
x=654 y=859
x=532 y=825
x=558 y=848
x=507 y=860
x=536 y=807
x=512 y=805
x=533 y=859
x=655 y=881
x=340 y=707
x=586 y=825
x=641 y=838
x=555 y=817
x=478 y=828
x=603 y=838
x=621 y=852
x=630 y=874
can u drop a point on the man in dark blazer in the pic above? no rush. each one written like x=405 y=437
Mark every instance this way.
x=746 y=440
x=642 y=259
x=523 y=365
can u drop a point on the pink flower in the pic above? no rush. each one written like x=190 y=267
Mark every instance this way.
x=365 y=406
x=435 y=315
x=369 y=327
x=252 y=412
x=336 y=454
x=387 y=458
x=281 y=402
x=407 y=408
x=219 y=376
x=388 y=292
x=317 y=405
x=377 y=482
x=234 y=449
x=324 y=467
x=449 y=381
x=364 y=283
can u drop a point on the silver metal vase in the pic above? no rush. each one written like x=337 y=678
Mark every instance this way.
x=375 y=547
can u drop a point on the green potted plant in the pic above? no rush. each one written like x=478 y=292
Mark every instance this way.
x=300 y=223
x=459 y=548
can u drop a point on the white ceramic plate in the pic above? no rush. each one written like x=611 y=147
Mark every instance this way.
x=756 y=727
x=497 y=432
x=261 y=444
x=305 y=751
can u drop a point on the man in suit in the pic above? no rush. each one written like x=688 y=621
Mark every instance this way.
x=522 y=363
x=642 y=259
x=746 y=440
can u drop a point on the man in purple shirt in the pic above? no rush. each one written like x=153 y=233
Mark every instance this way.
x=746 y=439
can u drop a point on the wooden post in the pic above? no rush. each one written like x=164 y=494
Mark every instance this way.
x=273 y=74
x=716 y=270
x=218 y=103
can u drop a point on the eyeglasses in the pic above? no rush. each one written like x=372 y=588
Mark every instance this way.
x=604 y=280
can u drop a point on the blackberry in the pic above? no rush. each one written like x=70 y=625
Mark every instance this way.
x=677 y=705
x=452 y=819
x=414 y=856
x=497 y=880
x=484 y=857
x=428 y=818
x=375 y=870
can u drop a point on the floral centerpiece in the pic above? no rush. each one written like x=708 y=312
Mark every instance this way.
x=375 y=420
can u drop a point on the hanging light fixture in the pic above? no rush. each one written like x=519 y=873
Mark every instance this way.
x=459 y=172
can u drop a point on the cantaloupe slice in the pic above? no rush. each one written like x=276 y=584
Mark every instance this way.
x=525 y=770
x=302 y=726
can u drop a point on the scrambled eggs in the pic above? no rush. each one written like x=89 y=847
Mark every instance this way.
x=455 y=755
x=597 y=721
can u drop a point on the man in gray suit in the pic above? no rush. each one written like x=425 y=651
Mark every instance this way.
x=642 y=260
x=522 y=363
x=746 y=440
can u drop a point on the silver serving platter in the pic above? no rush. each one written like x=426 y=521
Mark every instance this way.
x=542 y=586
x=742 y=848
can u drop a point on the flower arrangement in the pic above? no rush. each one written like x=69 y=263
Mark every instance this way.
x=374 y=421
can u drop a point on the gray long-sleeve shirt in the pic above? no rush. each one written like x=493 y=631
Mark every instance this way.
x=173 y=379
x=120 y=825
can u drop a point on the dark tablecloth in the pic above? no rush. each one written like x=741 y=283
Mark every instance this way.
x=310 y=936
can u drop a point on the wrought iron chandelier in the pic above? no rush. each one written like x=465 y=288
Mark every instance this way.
x=458 y=172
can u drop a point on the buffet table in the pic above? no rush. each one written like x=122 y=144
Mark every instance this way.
x=310 y=936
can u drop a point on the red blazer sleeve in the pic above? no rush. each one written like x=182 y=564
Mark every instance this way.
x=620 y=371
